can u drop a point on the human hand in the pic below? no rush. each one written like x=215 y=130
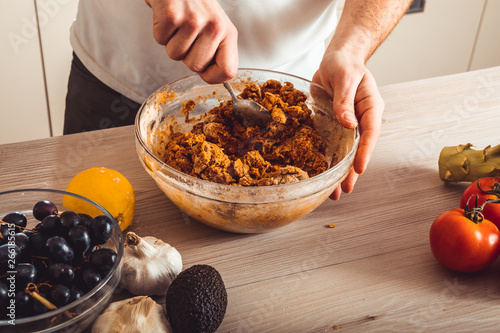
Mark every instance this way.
x=198 y=33
x=356 y=100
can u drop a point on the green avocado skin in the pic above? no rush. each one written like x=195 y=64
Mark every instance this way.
x=196 y=300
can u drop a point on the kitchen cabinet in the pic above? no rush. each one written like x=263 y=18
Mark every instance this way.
x=438 y=41
x=24 y=114
x=56 y=18
x=487 y=48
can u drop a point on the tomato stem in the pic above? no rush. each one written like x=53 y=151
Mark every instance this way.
x=494 y=191
x=475 y=214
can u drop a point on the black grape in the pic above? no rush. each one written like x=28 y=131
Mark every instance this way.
x=85 y=220
x=75 y=293
x=4 y=292
x=69 y=219
x=102 y=229
x=22 y=241
x=37 y=244
x=59 y=249
x=16 y=218
x=43 y=209
x=51 y=226
x=62 y=256
x=90 y=278
x=26 y=273
x=6 y=230
x=23 y=304
x=61 y=273
x=79 y=238
x=60 y=294
x=103 y=259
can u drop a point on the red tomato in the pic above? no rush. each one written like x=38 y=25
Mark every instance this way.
x=489 y=188
x=463 y=245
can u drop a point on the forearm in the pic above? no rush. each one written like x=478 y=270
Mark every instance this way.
x=365 y=24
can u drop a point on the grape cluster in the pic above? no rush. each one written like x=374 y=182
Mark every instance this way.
x=60 y=259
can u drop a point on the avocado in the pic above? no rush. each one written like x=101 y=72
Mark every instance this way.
x=196 y=300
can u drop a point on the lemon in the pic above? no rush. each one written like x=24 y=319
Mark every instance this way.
x=107 y=187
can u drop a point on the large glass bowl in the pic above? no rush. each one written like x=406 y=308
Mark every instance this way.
x=81 y=313
x=239 y=208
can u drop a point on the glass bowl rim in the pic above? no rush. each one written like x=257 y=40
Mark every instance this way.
x=210 y=184
x=92 y=292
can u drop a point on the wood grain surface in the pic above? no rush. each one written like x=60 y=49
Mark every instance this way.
x=373 y=272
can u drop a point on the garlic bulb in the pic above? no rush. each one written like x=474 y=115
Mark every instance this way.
x=133 y=315
x=149 y=265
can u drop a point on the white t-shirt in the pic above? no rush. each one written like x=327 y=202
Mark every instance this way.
x=114 y=40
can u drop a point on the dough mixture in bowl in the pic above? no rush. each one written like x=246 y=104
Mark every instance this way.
x=220 y=149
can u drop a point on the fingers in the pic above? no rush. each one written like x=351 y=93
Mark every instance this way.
x=225 y=65
x=336 y=193
x=348 y=183
x=199 y=34
x=367 y=141
x=356 y=102
x=181 y=41
x=346 y=186
x=343 y=104
x=344 y=88
x=167 y=17
x=366 y=146
x=369 y=107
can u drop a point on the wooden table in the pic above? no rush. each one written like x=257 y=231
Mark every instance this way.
x=373 y=272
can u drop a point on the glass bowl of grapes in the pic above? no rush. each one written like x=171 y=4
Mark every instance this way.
x=58 y=267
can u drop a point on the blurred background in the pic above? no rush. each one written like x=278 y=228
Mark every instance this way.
x=437 y=37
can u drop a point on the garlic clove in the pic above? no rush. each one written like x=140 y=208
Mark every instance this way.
x=141 y=248
x=149 y=265
x=133 y=315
